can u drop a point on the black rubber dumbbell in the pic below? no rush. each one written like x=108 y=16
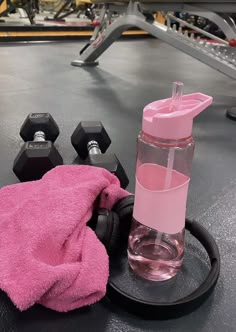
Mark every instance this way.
x=91 y=141
x=38 y=155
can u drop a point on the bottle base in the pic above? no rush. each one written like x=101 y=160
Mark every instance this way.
x=154 y=255
x=153 y=270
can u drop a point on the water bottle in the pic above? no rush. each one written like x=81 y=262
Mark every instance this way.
x=165 y=149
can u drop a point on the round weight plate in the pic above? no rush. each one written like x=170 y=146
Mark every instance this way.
x=175 y=297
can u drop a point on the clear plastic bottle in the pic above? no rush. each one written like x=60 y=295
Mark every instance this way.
x=165 y=149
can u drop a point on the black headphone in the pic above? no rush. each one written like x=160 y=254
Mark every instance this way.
x=112 y=229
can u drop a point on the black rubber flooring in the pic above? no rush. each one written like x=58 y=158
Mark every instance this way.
x=39 y=78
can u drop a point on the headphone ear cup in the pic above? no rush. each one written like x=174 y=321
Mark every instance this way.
x=107 y=229
x=113 y=238
x=124 y=210
x=102 y=224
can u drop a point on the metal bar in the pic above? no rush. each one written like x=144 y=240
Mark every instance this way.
x=191 y=47
x=99 y=45
x=222 y=23
x=101 y=19
x=72 y=11
x=93 y=147
x=216 y=7
x=191 y=26
x=230 y=21
x=60 y=10
x=188 y=45
x=181 y=7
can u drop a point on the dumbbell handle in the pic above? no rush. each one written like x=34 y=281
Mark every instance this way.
x=93 y=148
x=39 y=136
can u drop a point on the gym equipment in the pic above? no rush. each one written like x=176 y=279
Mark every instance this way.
x=109 y=226
x=91 y=140
x=231 y=113
x=69 y=7
x=24 y=7
x=38 y=155
x=135 y=14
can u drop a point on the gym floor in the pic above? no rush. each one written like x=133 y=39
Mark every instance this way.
x=38 y=78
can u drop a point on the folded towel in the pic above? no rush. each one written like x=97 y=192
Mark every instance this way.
x=47 y=253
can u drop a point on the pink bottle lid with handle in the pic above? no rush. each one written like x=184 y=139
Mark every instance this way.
x=160 y=120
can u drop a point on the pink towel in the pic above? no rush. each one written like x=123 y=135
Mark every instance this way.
x=47 y=253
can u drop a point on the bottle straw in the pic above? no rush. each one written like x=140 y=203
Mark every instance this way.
x=177 y=93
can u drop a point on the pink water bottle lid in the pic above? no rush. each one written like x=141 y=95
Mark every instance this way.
x=162 y=120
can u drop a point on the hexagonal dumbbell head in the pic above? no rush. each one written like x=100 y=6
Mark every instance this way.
x=39 y=122
x=35 y=159
x=111 y=163
x=87 y=131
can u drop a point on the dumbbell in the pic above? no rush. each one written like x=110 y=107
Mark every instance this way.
x=38 y=155
x=90 y=140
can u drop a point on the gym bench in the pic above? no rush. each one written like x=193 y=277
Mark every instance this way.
x=140 y=14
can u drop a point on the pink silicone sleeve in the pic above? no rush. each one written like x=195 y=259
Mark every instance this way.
x=162 y=210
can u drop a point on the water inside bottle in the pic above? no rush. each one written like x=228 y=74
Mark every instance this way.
x=153 y=255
